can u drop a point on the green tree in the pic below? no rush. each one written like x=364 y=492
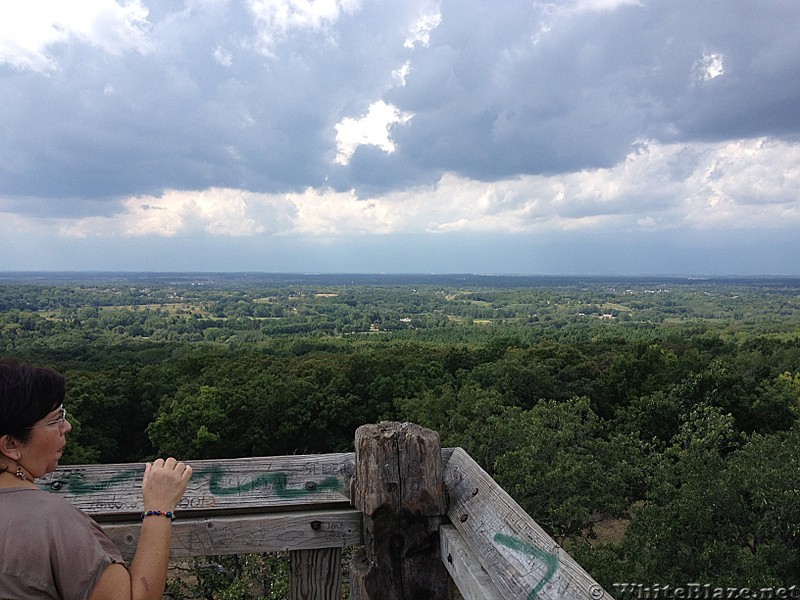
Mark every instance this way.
x=718 y=511
x=565 y=470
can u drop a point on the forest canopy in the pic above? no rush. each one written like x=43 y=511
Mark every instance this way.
x=649 y=425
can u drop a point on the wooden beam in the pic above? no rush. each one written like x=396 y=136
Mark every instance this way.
x=241 y=534
x=467 y=573
x=241 y=485
x=522 y=560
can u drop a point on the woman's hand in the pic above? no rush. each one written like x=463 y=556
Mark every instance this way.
x=164 y=483
x=162 y=487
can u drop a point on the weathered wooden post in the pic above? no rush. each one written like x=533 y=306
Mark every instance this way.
x=398 y=486
x=316 y=574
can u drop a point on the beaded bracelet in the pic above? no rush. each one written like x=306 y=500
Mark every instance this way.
x=158 y=513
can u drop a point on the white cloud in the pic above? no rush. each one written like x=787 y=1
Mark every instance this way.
x=28 y=29
x=743 y=184
x=601 y=5
x=276 y=19
x=551 y=12
x=747 y=183
x=421 y=30
x=331 y=213
x=373 y=129
x=709 y=67
x=215 y=211
x=401 y=75
x=223 y=56
x=647 y=223
x=13 y=224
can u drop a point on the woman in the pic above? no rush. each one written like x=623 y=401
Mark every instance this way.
x=48 y=548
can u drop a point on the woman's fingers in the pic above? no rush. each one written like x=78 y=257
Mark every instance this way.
x=169 y=464
x=164 y=483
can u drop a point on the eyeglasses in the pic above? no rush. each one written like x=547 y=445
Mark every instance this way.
x=62 y=416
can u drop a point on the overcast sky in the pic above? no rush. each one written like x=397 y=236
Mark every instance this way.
x=484 y=136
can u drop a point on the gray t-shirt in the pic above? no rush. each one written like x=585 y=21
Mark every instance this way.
x=48 y=548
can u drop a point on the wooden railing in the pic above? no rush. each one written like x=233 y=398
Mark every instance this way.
x=417 y=513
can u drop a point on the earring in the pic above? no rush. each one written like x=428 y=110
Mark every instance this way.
x=20 y=473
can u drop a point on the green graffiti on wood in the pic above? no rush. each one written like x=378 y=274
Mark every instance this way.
x=76 y=483
x=277 y=481
x=550 y=560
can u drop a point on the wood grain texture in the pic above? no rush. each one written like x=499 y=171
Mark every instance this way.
x=113 y=492
x=522 y=560
x=316 y=574
x=241 y=534
x=396 y=487
x=466 y=571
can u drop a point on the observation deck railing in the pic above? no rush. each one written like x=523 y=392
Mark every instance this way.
x=423 y=518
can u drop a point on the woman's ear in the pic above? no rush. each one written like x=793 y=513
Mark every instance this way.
x=9 y=447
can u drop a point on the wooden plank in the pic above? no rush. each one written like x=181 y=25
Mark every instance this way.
x=316 y=574
x=113 y=492
x=241 y=534
x=466 y=572
x=522 y=560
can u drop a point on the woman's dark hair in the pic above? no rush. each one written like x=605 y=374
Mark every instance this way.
x=27 y=394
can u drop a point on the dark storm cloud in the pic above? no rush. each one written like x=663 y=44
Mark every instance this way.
x=501 y=90
x=518 y=89
x=204 y=108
